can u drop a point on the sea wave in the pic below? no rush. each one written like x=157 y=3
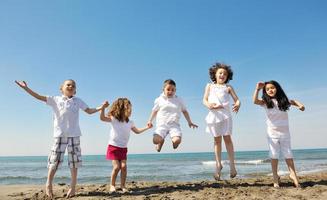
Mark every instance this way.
x=238 y=162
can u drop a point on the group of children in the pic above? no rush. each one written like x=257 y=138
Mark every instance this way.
x=167 y=110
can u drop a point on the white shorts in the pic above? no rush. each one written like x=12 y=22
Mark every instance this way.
x=173 y=129
x=280 y=145
x=222 y=128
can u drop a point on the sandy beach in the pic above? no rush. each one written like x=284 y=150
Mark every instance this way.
x=314 y=186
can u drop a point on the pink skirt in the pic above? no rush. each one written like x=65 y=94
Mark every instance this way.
x=116 y=153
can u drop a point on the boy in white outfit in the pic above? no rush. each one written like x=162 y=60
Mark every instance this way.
x=167 y=110
x=66 y=131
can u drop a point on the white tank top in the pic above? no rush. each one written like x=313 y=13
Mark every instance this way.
x=277 y=122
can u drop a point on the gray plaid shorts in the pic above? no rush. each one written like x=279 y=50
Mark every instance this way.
x=56 y=156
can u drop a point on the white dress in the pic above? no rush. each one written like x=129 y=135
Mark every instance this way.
x=219 y=121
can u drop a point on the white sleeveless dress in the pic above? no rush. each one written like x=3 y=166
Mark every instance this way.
x=219 y=121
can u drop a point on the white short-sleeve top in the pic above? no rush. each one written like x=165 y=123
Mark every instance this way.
x=120 y=132
x=66 y=115
x=277 y=122
x=169 y=109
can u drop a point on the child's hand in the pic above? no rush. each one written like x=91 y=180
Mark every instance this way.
x=105 y=104
x=21 y=84
x=191 y=125
x=149 y=124
x=302 y=108
x=215 y=106
x=236 y=107
x=260 y=85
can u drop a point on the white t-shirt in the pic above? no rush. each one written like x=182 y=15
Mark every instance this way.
x=169 y=109
x=66 y=115
x=120 y=132
x=277 y=122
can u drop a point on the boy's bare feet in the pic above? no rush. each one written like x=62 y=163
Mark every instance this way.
x=159 y=146
x=295 y=180
x=48 y=190
x=70 y=193
x=276 y=182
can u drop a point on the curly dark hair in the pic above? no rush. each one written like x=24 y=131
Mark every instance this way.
x=215 y=67
x=121 y=109
x=283 y=102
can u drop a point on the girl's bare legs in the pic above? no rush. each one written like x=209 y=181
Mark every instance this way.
x=71 y=191
x=48 y=185
x=115 y=169
x=274 y=167
x=176 y=141
x=123 y=174
x=230 y=150
x=158 y=141
x=291 y=168
x=217 y=149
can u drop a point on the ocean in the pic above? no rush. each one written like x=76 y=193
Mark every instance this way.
x=158 y=167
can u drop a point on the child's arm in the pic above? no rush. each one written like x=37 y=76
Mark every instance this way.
x=152 y=116
x=188 y=119
x=205 y=99
x=102 y=113
x=23 y=85
x=255 y=98
x=297 y=104
x=141 y=130
x=237 y=103
x=93 y=110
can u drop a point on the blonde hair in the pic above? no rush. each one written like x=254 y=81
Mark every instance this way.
x=121 y=109
x=62 y=84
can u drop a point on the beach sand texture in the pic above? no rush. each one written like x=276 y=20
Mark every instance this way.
x=314 y=186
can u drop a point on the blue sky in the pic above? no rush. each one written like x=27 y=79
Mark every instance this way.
x=128 y=48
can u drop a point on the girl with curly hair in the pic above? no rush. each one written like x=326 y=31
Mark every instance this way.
x=219 y=119
x=121 y=125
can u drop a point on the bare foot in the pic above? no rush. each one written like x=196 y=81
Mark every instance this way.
x=295 y=180
x=276 y=182
x=276 y=185
x=159 y=146
x=217 y=175
x=112 y=189
x=48 y=190
x=233 y=173
x=70 y=193
x=125 y=190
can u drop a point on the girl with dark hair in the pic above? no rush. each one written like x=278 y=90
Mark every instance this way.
x=219 y=119
x=121 y=126
x=276 y=104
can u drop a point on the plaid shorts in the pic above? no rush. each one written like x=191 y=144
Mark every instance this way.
x=56 y=156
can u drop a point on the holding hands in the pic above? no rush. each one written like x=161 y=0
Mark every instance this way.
x=105 y=105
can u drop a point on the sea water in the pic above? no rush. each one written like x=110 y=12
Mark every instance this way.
x=158 y=167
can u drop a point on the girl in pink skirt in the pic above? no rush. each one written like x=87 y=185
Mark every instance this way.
x=118 y=117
